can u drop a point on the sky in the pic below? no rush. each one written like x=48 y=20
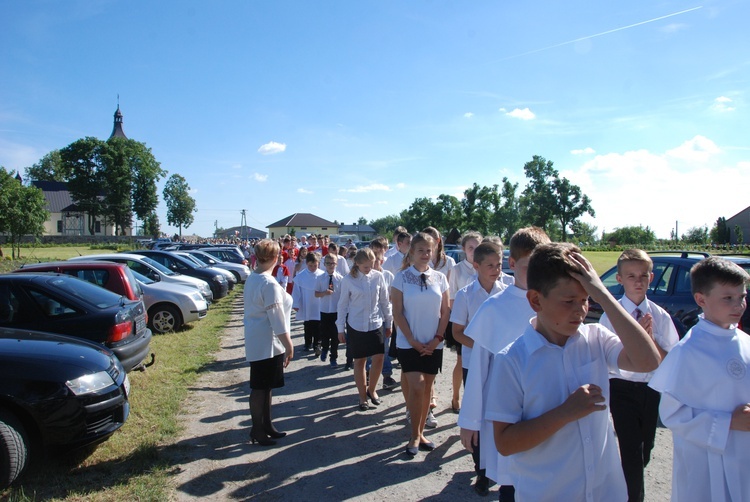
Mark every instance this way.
x=349 y=109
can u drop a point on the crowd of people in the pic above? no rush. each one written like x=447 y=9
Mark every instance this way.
x=552 y=408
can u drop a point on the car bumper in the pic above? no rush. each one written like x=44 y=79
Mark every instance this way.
x=133 y=353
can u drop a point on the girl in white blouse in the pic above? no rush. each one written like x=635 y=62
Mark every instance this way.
x=364 y=299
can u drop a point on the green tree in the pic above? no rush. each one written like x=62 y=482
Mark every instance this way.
x=538 y=200
x=21 y=210
x=49 y=168
x=82 y=159
x=477 y=207
x=633 y=236
x=739 y=236
x=696 y=235
x=361 y=221
x=421 y=213
x=720 y=232
x=508 y=216
x=151 y=225
x=386 y=225
x=583 y=232
x=450 y=212
x=570 y=204
x=180 y=205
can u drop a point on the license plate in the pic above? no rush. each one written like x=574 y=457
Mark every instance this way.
x=140 y=324
x=126 y=384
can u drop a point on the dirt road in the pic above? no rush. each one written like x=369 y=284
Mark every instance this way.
x=333 y=450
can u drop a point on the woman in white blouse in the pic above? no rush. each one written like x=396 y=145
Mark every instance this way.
x=365 y=311
x=268 y=344
x=421 y=311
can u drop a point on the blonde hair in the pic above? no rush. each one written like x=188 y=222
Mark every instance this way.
x=416 y=240
x=267 y=250
x=363 y=255
x=634 y=254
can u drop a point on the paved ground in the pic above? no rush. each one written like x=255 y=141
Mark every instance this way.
x=333 y=451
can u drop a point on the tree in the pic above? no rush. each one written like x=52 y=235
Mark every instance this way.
x=386 y=225
x=151 y=225
x=720 y=232
x=180 y=205
x=570 y=204
x=740 y=238
x=696 y=235
x=421 y=213
x=82 y=159
x=508 y=216
x=21 y=210
x=361 y=221
x=639 y=236
x=538 y=198
x=583 y=232
x=476 y=206
x=49 y=168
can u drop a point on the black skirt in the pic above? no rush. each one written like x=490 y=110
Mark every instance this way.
x=411 y=361
x=363 y=344
x=267 y=374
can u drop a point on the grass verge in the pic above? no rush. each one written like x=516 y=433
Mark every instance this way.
x=128 y=466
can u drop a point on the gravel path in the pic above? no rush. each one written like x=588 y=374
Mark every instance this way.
x=333 y=451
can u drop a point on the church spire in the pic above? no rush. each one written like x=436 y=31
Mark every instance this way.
x=117 y=131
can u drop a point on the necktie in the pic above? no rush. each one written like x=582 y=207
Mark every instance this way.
x=423 y=276
x=330 y=282
x=637 y=313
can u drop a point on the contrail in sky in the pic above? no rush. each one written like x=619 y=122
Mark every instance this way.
x=600 y=34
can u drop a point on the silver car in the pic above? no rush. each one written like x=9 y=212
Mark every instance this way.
x=231 y=279
x=241 y=272
x=170 y=305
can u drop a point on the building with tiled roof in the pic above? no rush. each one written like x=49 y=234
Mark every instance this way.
x=302 y=224
x=65 y=217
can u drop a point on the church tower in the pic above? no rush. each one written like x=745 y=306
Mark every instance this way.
x=117 y=131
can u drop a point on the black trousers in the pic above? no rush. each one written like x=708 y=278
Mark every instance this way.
x=635 y=411
x=329 y=335
x=475 y=453
x=312 y=333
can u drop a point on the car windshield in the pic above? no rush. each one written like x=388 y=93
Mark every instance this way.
x=158 y=266
x=142 y=278
x=85 y=291
x=204 y=258
x=195 y=261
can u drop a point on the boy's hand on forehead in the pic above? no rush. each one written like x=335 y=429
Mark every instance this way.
x=587 y=276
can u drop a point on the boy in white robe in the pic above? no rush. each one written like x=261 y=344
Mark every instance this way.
x=705 y=390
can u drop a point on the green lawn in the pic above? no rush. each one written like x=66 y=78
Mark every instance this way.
x=602 y=260
x=43 y=254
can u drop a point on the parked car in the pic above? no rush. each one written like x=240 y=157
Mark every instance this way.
x=152 y=269
x=63 y=304
x=240 y=272
x=232 y=254
x=179 y=264
x=670 y=288
x=229 y=276
x=168 y=306
x=56 y=392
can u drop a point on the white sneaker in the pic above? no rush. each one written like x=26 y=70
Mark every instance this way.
x=431 y=421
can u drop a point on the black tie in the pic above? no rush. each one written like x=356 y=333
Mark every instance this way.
x=423 y=276
x=330 y=282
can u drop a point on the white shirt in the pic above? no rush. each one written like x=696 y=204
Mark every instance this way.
x=665 y=333
x=365 y=300
x=329 y=303
x=303 y=295
x=702 y=380
x=268 y=310
x=446 y=267
x=393 y=263
x=498 y=322
x=422 y=304
x=467 y=302
x=530 y=377
x=461 y=276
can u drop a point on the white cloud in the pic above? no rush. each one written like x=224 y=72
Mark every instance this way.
x=400 y=186
x=259 y=177
x=354 y=204
x=271 y=148
x=468 y=115
x=367 y=188
x=656 y=189
x=502 y=110
x=698 y=149
x=584 y=151
x=523 y=114
x=722 y=104
x=303 y=190
x=673 y=28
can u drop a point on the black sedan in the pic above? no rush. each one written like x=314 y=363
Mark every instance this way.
x=59 y=303
x=56 y=392
x=214 y=278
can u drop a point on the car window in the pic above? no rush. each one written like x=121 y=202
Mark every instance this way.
x=50 y=306
x=662 y=275
x=158 y=266
x=142 y=278
x=682 y=281
x=98 y=277
x=86 y=291
x=609 y=279
x=133 y=283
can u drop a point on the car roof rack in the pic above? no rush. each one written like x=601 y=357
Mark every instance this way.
x=682 y=254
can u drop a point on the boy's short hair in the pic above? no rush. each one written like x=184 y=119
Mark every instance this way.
x=402 y=236
x=333 y=247
x=495 y=239
x=379 y=243
x=486 y=249
x=312 y=258
x=470 y=235
x=400 y=230
x=548 y=264
x=334 y=257
x=525 y=240
x=716 y=270
x=634 y=254
x=266 y=250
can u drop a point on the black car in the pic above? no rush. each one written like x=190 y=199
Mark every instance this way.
x=56 y=392
x=214 y=278
x=232 y=254
x=670 y=288
x=59 y=303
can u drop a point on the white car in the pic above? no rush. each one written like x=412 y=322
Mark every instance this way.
x=231 y=279
x=170 y=305
x=154 y=270
x=241 y=272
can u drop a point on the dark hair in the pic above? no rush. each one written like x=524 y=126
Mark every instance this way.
x=525 y=240
x=312 y=257
x=548 y=264
x=486 y=249
x=380 y=243
x=402 y=236
x=707 y=273
x=439 y=259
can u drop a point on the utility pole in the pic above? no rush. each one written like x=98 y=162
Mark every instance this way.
x=216 y=227
x=243 y=226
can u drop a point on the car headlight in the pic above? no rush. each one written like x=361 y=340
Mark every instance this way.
x=220 y=279
x=196 y=296
x=90 y=383
x=205 y=290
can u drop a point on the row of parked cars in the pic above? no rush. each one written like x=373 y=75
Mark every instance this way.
x=71 y=331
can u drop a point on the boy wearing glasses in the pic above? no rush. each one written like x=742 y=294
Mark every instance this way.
x=328 y=290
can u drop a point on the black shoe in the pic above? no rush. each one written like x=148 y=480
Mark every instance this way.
x=411 y=450
x=507 y=493
x=389 y=382
x=274 y=434
x=262 y=440
x=317 y=351
x=364 y=406
x=373 y=400
x=482 y=486
x=429 y=446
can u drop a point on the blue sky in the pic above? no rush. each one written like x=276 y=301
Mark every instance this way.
x=349 y=109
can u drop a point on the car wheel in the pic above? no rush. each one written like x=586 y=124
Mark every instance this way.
x=164 y=318
x=237 y=276
x=13 y=449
